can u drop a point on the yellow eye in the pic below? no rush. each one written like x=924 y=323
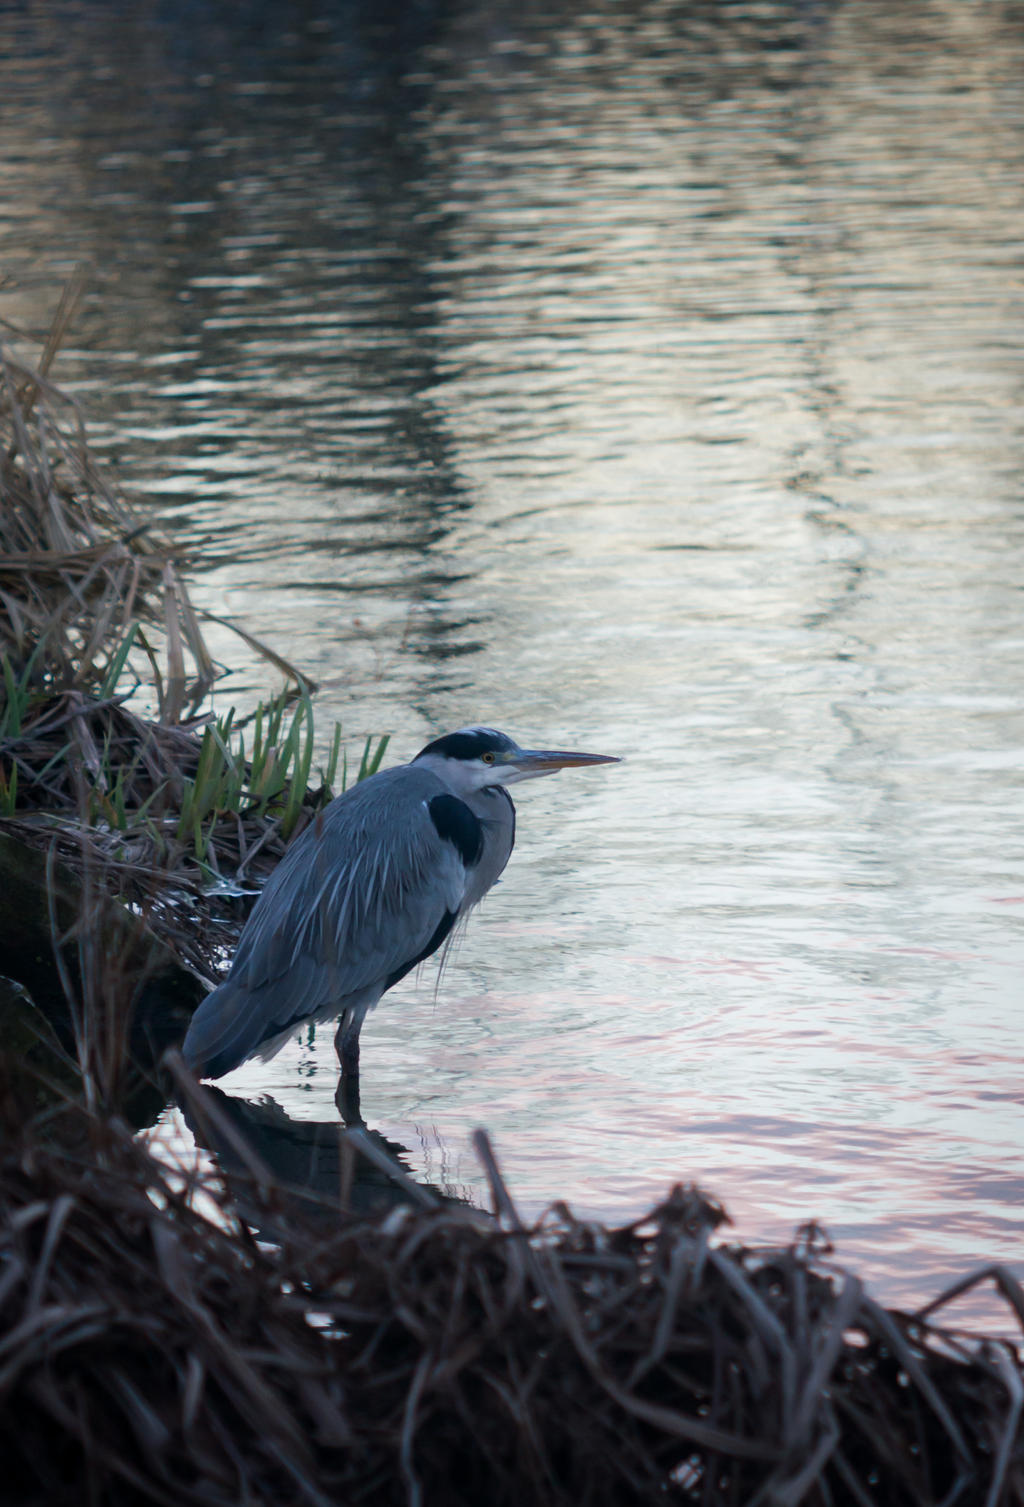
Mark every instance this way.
x=487 y=758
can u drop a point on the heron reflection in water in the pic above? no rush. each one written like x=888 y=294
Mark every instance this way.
x=374 y=885
x=307 y=1165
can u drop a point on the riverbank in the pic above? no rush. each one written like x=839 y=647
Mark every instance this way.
x=153 y=1353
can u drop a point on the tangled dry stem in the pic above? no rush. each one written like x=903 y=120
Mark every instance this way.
x=69 y=754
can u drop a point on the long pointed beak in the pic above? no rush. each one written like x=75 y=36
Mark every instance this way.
x=547 y=761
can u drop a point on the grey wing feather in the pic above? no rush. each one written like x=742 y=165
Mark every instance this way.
x=355 y=900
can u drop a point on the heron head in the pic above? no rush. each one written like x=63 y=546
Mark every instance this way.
x=479 y=756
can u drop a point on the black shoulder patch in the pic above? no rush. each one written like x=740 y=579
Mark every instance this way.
x=456 y=824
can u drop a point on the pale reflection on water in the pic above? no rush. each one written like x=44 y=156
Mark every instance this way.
x=651 y=385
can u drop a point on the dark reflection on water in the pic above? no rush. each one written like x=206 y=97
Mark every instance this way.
x=646 y=378
x=313 y=1174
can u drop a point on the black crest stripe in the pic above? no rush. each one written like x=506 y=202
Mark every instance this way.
x=455 y=823
x=468 y=745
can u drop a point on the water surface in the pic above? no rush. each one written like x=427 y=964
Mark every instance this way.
x=646 y=380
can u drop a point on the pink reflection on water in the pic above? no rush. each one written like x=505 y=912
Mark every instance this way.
x=898 y=1252
x=743 y=966
x=876 y=1192
x=890 y=1147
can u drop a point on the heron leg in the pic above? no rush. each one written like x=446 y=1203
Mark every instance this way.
x=346 y=1043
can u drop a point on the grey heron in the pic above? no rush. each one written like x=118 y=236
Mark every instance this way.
x=370 y=889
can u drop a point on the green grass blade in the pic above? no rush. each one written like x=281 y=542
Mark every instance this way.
x=303 y=763
x=332 y=759
x=13 y=705
x=116 y=665
x=8 y=790
x=371 y=759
